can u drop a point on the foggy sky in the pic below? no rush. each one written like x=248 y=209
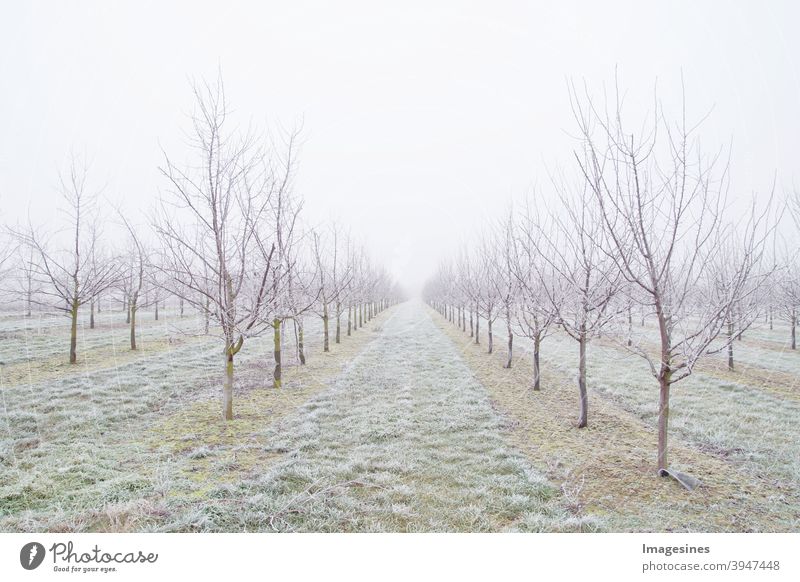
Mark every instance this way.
x=422 y=119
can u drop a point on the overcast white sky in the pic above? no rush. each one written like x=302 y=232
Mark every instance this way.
x=422 y=118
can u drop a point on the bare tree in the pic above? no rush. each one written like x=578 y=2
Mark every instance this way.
x=135 y=278
x=535 y=276
x=213 y=227
x=69 y=276
x=584 y=281
x=502 y=278
x=661 y=204
x=489 y=299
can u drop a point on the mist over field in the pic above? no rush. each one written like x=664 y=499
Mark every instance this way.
x=432 y=267
x=420 y=121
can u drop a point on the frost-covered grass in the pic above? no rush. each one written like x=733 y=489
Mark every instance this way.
x=404 y=440
x=737 y=430
x=77 y=442
x=726 y=413
x=387 y=432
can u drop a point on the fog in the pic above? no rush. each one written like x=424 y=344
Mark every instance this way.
x=421 y=120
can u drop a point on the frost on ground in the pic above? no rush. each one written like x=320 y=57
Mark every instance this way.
x=404 y=440
x=389 y=431
x=118 y=441
x=736 y=431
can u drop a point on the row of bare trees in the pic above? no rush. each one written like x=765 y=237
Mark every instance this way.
x=642 y=225
x=225 y=238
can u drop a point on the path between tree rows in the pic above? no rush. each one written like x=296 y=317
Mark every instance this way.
x=405 y=439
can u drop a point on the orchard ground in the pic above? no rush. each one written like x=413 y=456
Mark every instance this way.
x=406 y=425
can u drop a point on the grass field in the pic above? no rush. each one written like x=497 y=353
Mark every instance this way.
x=736 y=431
x=405 y=426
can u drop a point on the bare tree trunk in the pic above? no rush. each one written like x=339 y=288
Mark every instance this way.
x=630 y=326
x=91 y=314
x=730 y=345
x=231 y=350
x=301 y=349
x=325 y=335
x=361 y=315
x=276 y=340
x=664 y=382
x=770 y=317
x=477 y=327
x=536 y=372
x=510 y=335
x=156 y=310
x=349 y=319
x=491 y=337
x=794 y=329
x=510 y=347
x=338 y=322
x=471 y=325
x=207 y=314
x=181 y=305
x=663 y=419
x=227 y=387
x=583 y=418
x=73 y=334
x=132 y=314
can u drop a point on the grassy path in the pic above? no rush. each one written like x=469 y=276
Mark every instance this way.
x=404 y=440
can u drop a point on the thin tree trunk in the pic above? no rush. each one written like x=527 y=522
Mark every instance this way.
x=325 y=336
x=583 y=418
x=510 y=335
x=510 y=347
x=132 y=312
x=231 y=350
x=663 y=419
x=664 y=382
x=349 y=319
x=477 y=327
x=156 y=310
x=276 y=342
x=73 y=334
x=338 y=322
x=536 y=372
x=794 y=329
x=227 y=388
x=301 y=350
x=630 y=326
x=730 y=345
x=91 y=314
x=491 y=336
x=471 y=325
